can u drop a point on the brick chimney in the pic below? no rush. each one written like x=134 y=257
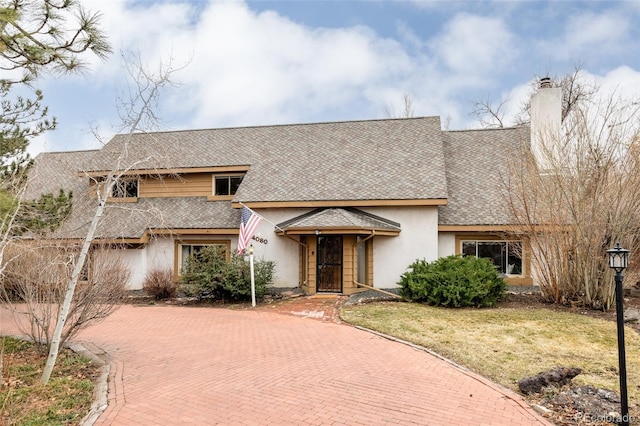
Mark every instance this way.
x=546 y=120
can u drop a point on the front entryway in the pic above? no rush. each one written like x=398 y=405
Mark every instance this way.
x=329 y=269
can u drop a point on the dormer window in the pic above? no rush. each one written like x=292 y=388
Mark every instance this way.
x=125 y=188
x=226 y=185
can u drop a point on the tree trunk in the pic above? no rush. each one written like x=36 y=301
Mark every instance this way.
x=71 y=288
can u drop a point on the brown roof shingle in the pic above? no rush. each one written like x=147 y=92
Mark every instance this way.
x=477 y=174
x=395 y=159
x=357 y=160
x=339 y=218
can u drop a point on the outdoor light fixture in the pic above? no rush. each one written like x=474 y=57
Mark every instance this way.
x=618 y=261
x=618 y=258
x=251 y=249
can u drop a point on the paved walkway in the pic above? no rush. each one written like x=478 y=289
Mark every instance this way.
x=175 y=365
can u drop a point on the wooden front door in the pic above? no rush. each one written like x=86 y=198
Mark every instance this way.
x=329 y=274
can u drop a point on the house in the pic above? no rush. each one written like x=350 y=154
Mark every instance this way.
x=346 y=205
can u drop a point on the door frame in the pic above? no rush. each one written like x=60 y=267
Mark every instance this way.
x=320 y=264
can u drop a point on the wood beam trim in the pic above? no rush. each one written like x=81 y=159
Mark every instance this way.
x=170 y=171
x=479 y=228
x=340 y=203
x=340 y=231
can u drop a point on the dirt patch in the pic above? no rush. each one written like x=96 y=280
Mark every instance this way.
x=312 y=307
x=534 y=300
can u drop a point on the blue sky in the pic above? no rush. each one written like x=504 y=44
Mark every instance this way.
x=279 y=62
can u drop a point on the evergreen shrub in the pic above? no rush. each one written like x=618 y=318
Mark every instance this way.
x=208 y=275
x=454 y=282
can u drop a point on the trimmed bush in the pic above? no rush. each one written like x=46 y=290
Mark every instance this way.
x=208 y=275
x=159 y=284
x=453 y=282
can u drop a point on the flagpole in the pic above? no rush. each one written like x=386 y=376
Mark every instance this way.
x=253 y=279
x=262 y=217
x=276 y=226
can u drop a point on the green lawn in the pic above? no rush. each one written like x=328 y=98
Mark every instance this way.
x=65 y=400
x=507 y=344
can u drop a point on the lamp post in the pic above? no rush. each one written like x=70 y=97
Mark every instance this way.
x=618 y=261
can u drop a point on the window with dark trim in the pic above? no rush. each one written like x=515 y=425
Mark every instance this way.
x=187 y=249
x=505 y=255
x=125 y=188
x=226 y=185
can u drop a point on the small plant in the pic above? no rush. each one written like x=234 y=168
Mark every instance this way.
x=36 y=275
x=453 y=282
x=208 y=275
x=159 y=284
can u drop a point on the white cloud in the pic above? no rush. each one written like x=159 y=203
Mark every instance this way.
x=244 y=67
x=590 y=30
x=587 y=34
x=257 y=68
x=473 y=44
x=624 y=81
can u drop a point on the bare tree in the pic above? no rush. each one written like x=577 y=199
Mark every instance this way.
x=407 y=109
x=36 y=274
x=576 y=90
x=585 y=196
x=138 y=113
x=35 y=37
x=489 y=114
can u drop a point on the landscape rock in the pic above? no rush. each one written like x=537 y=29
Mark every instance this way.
x=589 y=402
x=542 y=410
x=632 y=315
x=557 y=377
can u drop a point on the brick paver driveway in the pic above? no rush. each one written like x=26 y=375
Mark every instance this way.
x=175 y=365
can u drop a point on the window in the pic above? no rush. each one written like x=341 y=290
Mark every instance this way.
x=184 y=250
x=362 y=261
x=505 y=255
x=304 y=259
x=226 y=185
x=125 y=188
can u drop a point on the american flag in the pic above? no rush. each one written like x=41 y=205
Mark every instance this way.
x=248 y=224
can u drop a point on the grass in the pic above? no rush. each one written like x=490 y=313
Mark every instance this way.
x=65 y=400
x=507 y=344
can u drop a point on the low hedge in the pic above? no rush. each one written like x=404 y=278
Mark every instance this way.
x=454 y=282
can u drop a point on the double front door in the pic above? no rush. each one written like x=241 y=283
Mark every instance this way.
x=329 y=264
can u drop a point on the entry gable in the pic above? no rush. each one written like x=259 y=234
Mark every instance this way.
x=339 y=221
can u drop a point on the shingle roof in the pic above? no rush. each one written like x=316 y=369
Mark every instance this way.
x=132 y=220
x=52 y=171
x=477 y=174
x=339 y=218
x=401 y=159
x=357 y=160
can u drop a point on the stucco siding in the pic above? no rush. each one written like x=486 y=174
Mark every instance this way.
x=446 y=244
x=131 y=259
x=280 y=249
x=418 y=239
x=391 y=255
